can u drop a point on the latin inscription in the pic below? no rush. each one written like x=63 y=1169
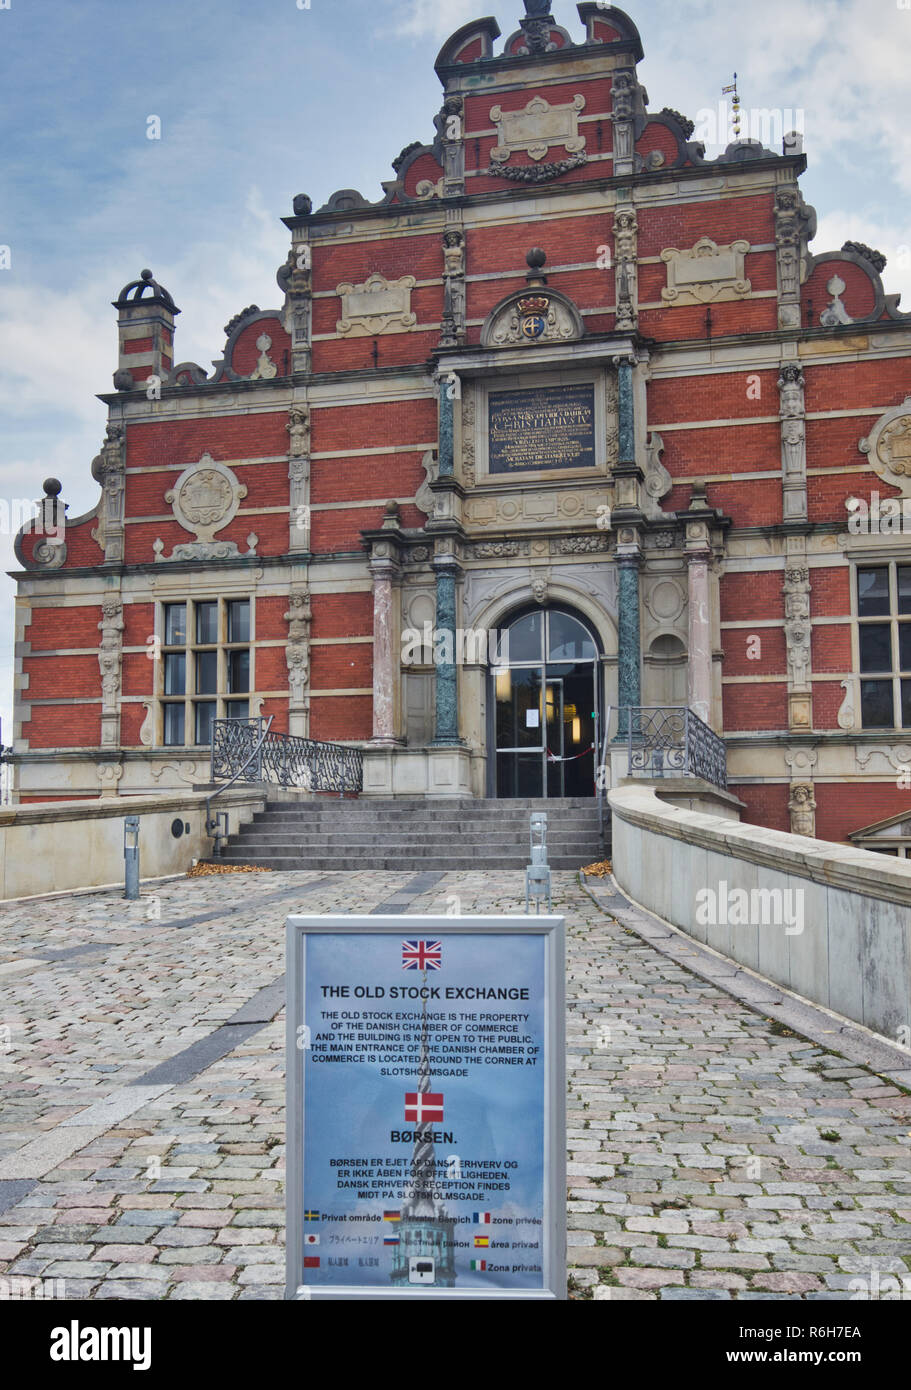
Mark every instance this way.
x=541 y=428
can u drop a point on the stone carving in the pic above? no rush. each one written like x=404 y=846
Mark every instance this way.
x=302 y=205
x=109 y=469
x=626 y=230
x=297 y=648
x=795 y=226
x=536 y=128
x=664 y=540
x=496 y=550
x=298 y=431
x=238 y=319
x=537 y=173
x=449 y=143
x=424 y=497
x=792 y=413
x=867 y=253
x=186 y=771
x=265 y=367
x=658 y=481
x=531 y=317
x=50 y=555
x=623 y=109
x=110 y=654
x=419 y=554
x=578 y=545
x=665 y=599
x=539 y=586
x=706 y=274
x=205 y=498
x=377 y=306
x=468 y=439
x=888 y=446
x=295 y=280
x=797 y=625
x=537 y=32
x=835 y=313
x=109 y=774
x=453 y=325
x=147 y=729
x=846 y=717
x=802 y=806
x=896 y=756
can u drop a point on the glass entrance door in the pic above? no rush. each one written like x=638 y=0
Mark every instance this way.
x=545 y=697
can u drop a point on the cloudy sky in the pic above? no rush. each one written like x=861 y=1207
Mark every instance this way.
x=262 y=99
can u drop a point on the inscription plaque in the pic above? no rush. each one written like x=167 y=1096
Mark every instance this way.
x=541 y=428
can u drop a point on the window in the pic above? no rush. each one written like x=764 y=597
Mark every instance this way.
x=884 y=646
x=206 y=660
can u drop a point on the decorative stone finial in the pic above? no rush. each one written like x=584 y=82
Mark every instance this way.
x=52 y=487
x=535 y=260
x=537 y=9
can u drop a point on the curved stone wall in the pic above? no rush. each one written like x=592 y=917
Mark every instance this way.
x=830 y=922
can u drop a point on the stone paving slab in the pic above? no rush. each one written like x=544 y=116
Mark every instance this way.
x=713 y=1153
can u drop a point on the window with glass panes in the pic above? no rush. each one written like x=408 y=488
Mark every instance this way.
x=884 y=645
x=205 y=667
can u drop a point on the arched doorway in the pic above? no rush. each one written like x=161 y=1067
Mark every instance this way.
x=544 y=703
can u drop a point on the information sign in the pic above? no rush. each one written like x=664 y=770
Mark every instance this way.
x=426 y=1107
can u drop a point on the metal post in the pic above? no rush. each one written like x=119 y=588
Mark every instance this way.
x=131 y=857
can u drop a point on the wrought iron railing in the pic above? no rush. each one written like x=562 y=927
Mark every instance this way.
x=249 y=750
x=672 y=741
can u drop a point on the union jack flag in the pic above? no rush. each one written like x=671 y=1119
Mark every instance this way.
x=422 y=955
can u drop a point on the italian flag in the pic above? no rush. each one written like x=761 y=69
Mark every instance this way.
x=479 y=1264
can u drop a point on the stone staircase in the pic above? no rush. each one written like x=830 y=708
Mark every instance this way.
x=412 y=834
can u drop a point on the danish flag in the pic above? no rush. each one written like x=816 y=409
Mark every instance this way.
x=423 y=1107
x=422 y=955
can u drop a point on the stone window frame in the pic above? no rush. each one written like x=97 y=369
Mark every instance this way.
x=894 y=619
x=594 y=376
x=222 y=697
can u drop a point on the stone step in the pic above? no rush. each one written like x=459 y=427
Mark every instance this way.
x=354 y=860
x=565 y=844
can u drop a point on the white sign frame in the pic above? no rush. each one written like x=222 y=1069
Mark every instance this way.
x=551 y=927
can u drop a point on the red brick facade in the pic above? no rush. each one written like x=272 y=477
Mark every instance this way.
x=763 y=376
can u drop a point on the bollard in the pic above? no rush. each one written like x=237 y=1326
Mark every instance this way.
x=131 y=857
x=537 y=875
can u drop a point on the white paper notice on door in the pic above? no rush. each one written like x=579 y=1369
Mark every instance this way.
x=532 y=719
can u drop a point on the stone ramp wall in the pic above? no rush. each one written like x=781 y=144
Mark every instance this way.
x=52 y=846
x=830 y=922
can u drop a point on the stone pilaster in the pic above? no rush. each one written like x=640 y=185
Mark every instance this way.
x=793 y=442
x=629 y=656
x=801 y=801
x=446 y=703
x=699 y=635
x=450 y=132
x=387 y=677
x=446 y=452
x=296 y=279
x=299 y=478
x=453 y=327
x=797 y=631
x=795 y=226
x=626 y=279
x=623 y=109
x=109 y=469
x=297 y=657
x=110 y=657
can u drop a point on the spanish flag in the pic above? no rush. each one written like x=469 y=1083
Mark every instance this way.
x=481 y=1241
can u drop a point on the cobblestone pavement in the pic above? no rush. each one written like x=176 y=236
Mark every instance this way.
x=142 y=1128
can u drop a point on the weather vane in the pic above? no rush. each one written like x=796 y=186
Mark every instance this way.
x=735 y=105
